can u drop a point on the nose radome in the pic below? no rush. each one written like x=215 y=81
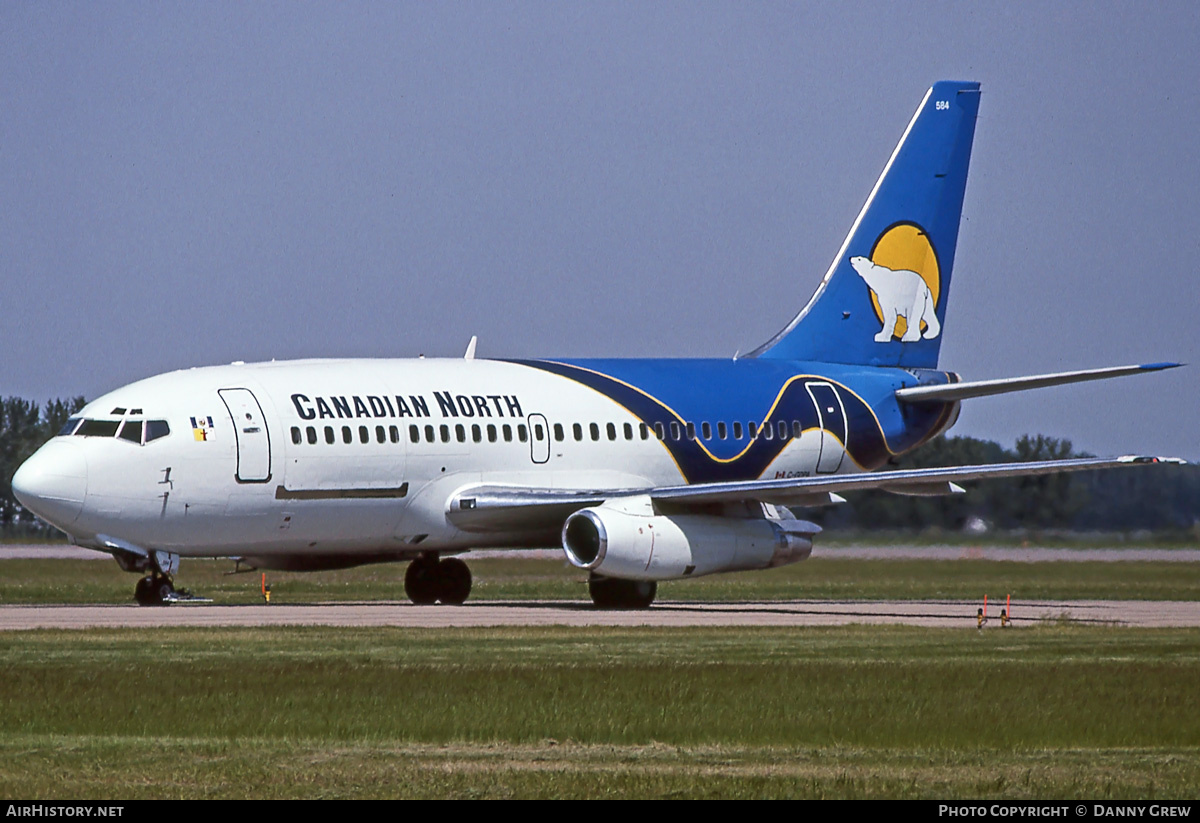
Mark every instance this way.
x=53 y=482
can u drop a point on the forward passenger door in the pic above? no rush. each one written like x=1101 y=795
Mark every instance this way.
x=250 y=431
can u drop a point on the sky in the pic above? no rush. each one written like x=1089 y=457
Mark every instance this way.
x=189 y=184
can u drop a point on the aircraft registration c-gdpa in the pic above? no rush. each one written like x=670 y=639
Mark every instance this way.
x=641 y=469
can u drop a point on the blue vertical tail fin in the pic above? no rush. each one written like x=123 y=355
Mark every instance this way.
x=883 y=300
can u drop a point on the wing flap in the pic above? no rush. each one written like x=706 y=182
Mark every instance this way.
x=484 y=509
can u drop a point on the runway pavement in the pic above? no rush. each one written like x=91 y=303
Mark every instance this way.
x=1016 y=554
x=581 y=613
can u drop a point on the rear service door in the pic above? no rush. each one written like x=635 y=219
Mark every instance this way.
x=253 y=440
x=831 y=416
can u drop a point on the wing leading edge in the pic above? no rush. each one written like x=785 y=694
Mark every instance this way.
x=494 y=508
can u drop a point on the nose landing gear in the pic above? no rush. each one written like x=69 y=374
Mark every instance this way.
x=153 y=590
x=157 y=585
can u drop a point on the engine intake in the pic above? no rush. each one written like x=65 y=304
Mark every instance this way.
x=627 y=539
x=585 y=540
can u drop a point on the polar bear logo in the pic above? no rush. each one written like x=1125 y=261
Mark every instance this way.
x=900 y=293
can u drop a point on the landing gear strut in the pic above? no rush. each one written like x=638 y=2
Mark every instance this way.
x=159 y=569
x=429 y=580
x=611 y=593
x=153 y=590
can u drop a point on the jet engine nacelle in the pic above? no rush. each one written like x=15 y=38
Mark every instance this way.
x=626 y=539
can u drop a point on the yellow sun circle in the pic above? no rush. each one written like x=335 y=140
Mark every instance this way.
x=906 y=247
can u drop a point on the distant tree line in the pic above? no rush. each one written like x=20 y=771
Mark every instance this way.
x=1153 y=497
x=1158 y=498
x=24 y=427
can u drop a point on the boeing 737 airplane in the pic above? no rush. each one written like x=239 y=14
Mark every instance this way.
x=643 y=470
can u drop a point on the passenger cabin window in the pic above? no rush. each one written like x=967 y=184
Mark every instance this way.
x=364 y=436
x=628 y=431
x=444 y=431
x=312 y=435
x=722 y=432
x=539 y=433
x=508 y=433
x=522 y=434
x=611 y=430
x=691 y=431
x=476 y=433
x=329 y=435
x=737 y=431
x=797 y=430
x=559 y=434
x=783 y=430
x=674 y=430
x=380 y=434
x=659 y=432
x=460 y=432
x=491 y=430
x=706 y=430
x=347 y=435
x=577 y=430
x=297 y=438
x=594 y=430
x=644 y=431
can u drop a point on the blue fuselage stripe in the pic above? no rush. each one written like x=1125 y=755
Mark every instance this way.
x=662 y=392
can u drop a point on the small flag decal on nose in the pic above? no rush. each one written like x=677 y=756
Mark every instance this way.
x=202 y=428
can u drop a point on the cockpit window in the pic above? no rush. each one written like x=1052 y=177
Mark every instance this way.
x=156 y=429
x=98 y=428
x=132 y=431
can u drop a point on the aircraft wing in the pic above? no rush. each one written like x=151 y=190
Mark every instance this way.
x=491 y=508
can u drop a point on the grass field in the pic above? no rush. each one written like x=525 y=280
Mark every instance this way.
x=1051 y=711
x=1048 y=712
x=100 y=581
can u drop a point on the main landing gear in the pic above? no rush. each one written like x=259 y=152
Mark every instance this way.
x=611 y=593
x=430 y=580
x=153 y=590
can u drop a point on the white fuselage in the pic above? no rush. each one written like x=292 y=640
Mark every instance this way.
x=351 y=457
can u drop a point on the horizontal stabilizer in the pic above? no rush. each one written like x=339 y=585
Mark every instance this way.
x=983 y=388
